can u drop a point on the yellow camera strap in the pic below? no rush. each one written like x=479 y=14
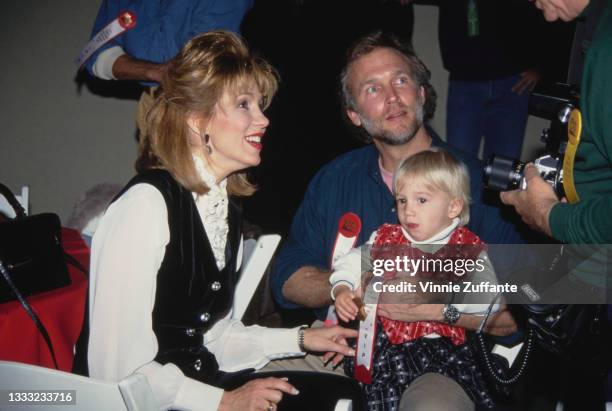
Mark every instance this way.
x=574 y=131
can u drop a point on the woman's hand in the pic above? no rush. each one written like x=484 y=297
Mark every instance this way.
x=324 y=339
x=259 y=394
x=332 y=340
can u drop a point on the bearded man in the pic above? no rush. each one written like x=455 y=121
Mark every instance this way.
x=388 y=99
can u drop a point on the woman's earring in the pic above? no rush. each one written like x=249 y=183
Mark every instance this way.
x=206 y=140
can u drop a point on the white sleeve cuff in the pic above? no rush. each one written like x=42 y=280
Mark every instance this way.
x=348 y=268
x=103 y=67
x=281 y=343
x=194 y=395
x=478 y=303
x=173 y=390
x=339 y=283
x=476 y=309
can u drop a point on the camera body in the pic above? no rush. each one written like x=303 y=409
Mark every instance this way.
x=503 y=173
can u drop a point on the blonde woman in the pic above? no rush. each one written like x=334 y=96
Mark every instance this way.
x=166 y=255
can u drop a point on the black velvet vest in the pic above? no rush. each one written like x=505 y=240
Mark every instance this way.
x=192 y=294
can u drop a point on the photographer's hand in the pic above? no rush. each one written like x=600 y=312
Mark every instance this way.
x=534 y=203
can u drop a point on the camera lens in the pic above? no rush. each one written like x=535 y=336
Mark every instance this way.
x=502 y=173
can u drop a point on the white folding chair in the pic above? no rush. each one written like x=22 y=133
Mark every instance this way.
x=344 y=405
x=23 y=198
x=130 y=394
x=255 y=261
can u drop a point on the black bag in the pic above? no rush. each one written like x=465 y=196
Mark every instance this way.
x=497 y=372
x=560 y=329
x=31 y=251
x=492 y=356
x=570 y=329
x=31 y=259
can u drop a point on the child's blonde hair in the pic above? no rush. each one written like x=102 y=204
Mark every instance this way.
x=441 y=171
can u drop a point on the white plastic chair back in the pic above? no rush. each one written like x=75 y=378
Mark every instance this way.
x=255 y=261
x=344 y=405
x=131 y=394
x=23 y=198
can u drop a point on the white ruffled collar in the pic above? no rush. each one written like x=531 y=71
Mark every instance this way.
x=213 y=208
x=207 y=176
x=441 y=237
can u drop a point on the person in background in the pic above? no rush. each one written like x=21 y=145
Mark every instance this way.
x=494 y=55
x=586 y=221
x=162 y=29
x=493 y=67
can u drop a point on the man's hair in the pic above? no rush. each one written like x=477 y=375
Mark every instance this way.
x=209 y=65
x=419 y=73
x=440 y=170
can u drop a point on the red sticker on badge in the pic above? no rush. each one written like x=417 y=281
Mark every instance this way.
x=127 y=20
x=349 y=225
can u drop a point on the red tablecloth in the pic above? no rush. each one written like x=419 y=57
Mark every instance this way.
x=61 y=311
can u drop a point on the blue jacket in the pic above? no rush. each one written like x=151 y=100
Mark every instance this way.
x=352 y=183
x=164 y=26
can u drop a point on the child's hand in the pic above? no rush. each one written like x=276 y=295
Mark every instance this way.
x=345 y=306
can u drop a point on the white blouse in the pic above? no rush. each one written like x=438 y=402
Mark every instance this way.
x=127 y=251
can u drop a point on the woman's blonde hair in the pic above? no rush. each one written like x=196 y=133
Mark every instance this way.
x=209 y=65
x=440 y=170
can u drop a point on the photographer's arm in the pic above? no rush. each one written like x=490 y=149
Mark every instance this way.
x=588 y=221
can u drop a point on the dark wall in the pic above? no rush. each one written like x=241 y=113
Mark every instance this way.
x=305 y=41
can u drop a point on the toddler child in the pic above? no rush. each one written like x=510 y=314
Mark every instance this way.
x=432 y=195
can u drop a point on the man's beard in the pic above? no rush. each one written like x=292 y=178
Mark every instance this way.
x=395 y=138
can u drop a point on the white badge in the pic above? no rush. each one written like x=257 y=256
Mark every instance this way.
x=349 y=227
x=367 y=335
x=124 y=22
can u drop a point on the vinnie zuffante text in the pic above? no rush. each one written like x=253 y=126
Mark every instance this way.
x=458 y=266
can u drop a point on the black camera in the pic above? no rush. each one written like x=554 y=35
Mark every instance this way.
x=503 y=173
